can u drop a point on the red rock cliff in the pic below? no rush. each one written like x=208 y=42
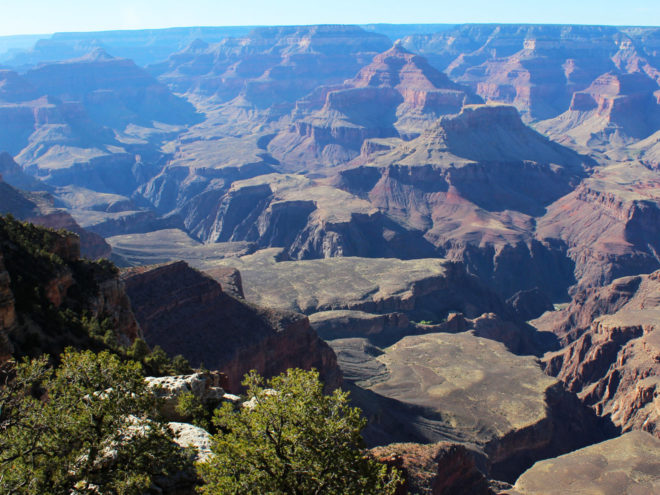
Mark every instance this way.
x=186 y=312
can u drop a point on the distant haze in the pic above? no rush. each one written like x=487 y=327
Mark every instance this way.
x=49 y=16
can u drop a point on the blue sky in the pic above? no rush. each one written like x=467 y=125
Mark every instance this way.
x=47 y=16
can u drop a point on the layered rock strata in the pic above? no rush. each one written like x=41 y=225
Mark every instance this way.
x=612 y=351
x=424 y=289
x=38 y=208
x=186 y=312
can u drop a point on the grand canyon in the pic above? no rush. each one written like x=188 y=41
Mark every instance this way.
x=458 y=224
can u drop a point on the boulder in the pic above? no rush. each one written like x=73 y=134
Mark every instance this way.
x=188 y=435
x=207 y=387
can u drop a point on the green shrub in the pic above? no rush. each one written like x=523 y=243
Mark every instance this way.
x=89 y=426
x=292 y=439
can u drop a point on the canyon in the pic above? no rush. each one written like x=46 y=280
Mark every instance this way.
x=460 y=225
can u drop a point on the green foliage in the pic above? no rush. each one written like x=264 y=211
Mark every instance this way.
x=156 y=361
x=292 y=439
x=190 y=407
x=180 y=365
x=89 y=426
x=138 y=350
x=28 y=257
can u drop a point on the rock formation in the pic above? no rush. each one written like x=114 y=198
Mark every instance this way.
x=399 y=93
x=436 y=469
x=469 y=390
x=113 y=91
x=220 y=331
x=424 y=289
x=271 y=65
x=614 y=110
x=537 y=68
x=474 y=185
x=188 y=435
x=611 y=354
x=627 y=464
x=207 y=387
x=384 y=329
x=607 y=224
x=38 y=209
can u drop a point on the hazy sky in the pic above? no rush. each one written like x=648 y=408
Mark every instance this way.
x=47 y=16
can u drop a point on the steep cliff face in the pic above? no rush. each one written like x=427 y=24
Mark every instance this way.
x=186 y=312
x=615 y=109
x=423 y=289
x=52 y=299
x=398 y=94
x=612 y=351
x=436 y=469
x=469 y=189
x=537 y=68
x=608 y=225
x=474 y=185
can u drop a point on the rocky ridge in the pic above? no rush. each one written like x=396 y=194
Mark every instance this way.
x=50 y=295
x=222 y=332
x=611 y=354
x=271 y=64
x=38 y=209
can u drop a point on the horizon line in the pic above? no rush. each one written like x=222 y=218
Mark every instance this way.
x=255 y=26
